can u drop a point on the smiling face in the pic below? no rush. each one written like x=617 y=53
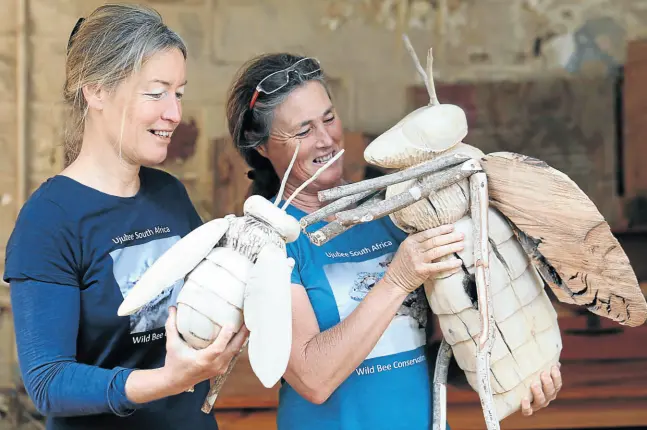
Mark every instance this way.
x=308 y=116
x=139 y=117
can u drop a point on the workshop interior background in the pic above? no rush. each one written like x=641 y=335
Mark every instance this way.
x=560 y=80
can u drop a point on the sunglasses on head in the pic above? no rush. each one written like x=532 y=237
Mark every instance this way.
x=277 y=80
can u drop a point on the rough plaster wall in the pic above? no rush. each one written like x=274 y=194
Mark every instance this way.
x=472 y=40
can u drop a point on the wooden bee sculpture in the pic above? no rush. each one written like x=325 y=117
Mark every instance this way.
x=235 y=271
x=525 y=224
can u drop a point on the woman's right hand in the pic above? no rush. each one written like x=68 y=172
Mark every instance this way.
x=415 y=261
x=186 y=366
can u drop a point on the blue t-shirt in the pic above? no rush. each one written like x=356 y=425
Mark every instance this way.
x=391 y=388
x=73 y=255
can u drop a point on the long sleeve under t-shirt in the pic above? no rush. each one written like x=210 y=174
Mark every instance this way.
x=74 y=254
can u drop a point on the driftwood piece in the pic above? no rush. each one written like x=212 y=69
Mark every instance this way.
x=335 y=228
x=217 y=385
x=327 y=232
x=564 y=230
x=440 y=385
x=384 y=181
x=332 y=208
x=422 y=188
x=479 y=213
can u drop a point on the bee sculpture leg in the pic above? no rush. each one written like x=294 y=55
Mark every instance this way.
x=479 y=212
x=440 y=386
x=216 y=385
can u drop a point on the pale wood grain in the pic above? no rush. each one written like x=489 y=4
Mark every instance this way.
x=563 y=226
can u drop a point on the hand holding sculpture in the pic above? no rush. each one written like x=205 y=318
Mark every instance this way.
x=186 y=366
x=416 y=259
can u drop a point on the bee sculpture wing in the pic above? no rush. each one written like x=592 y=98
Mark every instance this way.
x=566 y=237
x=267 y=311
x=174 y=264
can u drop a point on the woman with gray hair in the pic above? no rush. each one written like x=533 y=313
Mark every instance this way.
x=86 y=235
x=358 y=353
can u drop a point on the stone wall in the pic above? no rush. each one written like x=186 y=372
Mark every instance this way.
x=473 y=41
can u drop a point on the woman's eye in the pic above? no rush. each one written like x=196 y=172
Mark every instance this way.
x=155 y=96
x=303 y=133
x=179 y=96
x=329 y=120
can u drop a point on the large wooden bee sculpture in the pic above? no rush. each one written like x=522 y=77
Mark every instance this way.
x=526 y=225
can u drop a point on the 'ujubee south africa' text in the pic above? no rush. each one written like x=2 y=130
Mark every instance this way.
x=363 y=251
x=127 y=237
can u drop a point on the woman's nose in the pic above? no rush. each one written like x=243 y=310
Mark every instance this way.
x=323 y=138
x=173 y=112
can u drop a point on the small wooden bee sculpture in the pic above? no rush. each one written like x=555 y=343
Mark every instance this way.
x=235 y=271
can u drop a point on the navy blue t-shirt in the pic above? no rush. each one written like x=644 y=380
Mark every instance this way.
x=73 y=255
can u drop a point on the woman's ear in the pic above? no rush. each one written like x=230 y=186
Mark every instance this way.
x=262 y=149
x=94 y=96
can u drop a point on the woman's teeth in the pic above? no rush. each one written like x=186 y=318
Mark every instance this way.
x=162 y=133
x=324 y=159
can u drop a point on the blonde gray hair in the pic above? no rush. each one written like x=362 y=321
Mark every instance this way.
x=104 y=49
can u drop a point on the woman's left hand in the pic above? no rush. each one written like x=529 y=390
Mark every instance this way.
x=545 y=393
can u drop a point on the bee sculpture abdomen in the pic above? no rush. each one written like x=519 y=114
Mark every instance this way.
x=213 y=292
x=527 y=337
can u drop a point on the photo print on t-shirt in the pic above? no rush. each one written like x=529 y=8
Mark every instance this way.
x=129 y=264
x=351 y=281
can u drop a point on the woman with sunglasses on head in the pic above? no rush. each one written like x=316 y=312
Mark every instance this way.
x=87 y=234
x=357 y=358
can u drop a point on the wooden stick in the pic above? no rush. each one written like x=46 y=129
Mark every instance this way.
x=428 y=76
x=420 y=190
x=327 y=232
x=416 y=62
x=433 y=99
x=334 y=229
x=332 y=208
x=479 y=214
x=217 y=384
x=440 y=386
x=392 y=178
